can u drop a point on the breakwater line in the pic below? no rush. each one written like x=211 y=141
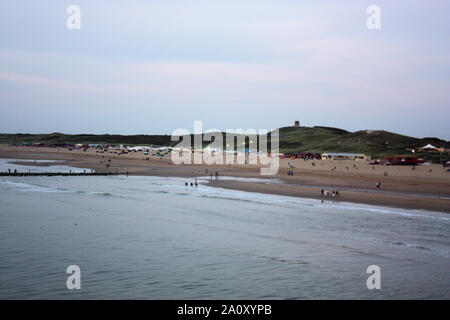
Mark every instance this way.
x=53 y=174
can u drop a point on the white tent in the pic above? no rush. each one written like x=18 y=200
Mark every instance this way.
x=429 y=146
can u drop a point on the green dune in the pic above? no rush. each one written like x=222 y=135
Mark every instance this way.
x=376 y=143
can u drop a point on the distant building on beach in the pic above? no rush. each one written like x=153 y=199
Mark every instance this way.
x=344 y=156
x=401 y=160
x=297 y=124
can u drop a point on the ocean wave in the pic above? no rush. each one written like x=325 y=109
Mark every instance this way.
x=283 y=260
x=182 y=193
x=222 y=197
x=159 y=191
x=386 y=210
x=105 y=194
x=406 y=245
x=27 y=187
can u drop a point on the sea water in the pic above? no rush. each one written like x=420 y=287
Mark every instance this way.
x=154 y=238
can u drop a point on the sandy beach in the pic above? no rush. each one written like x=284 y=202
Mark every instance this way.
x=425 y=188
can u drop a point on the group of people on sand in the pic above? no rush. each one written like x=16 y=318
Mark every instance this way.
x=332 y=194
x=290 y=172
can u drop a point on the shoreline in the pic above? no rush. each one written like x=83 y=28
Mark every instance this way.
x=421 y=190
x=356 y=197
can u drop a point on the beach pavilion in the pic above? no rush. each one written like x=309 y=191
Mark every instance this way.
x=429 y=148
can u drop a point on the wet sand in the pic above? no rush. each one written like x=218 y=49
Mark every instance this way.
x=427 y=187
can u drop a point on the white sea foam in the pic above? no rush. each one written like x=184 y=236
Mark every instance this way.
x=330 y=204
x=28 y=187
x=7 y=164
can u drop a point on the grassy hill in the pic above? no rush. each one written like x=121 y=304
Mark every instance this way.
x=54 y=138
x=377 y=143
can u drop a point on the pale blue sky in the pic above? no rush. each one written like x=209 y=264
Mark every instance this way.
x=142 y=67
